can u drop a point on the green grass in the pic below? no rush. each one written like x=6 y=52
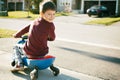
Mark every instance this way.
x=25 y=14
x=63 y=14
x=104 y=21
x=6 y=33
x=22 y=14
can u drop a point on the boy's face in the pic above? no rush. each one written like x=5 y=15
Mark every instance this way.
x=49 y=15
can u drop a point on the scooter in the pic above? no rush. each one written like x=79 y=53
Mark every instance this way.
x=37 y=64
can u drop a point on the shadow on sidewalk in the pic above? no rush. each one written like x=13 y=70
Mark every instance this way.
x=94 y=55
x=43 y=75
x=6 y=74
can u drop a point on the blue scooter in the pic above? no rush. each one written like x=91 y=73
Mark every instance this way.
x=37 y=63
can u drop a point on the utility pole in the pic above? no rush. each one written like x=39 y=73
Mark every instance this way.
x=99 y=2
x=117 y=11
x=28 y=6
x=118 y=7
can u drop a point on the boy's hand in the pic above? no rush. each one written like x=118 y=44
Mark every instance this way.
x=15 y=36
x=48 y=37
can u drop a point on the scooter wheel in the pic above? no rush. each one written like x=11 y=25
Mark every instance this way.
x=55 y=70
x=13 y=63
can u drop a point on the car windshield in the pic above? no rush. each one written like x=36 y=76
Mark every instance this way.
x=95 y=7
x=98 y=7
x=103 y=8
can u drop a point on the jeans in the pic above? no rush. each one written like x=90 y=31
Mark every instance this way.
x=17 y=55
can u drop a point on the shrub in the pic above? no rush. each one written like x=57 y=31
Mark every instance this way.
x=35 y=11
x=3 y=13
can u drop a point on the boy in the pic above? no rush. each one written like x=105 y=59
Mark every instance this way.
x=39 y=32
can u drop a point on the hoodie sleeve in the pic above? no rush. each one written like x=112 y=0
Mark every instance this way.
x=22 y=31
x=51 y=35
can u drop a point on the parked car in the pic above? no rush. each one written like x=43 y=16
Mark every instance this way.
x=100 y=11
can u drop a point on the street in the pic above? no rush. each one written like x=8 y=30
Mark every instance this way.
x=73 y=29
x=89 y=49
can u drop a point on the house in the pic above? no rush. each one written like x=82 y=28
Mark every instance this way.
x=64 y=5
x=12 y=5
x=80 y=6
x=77 y=6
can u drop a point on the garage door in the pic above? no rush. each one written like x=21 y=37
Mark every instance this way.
x=19 y=6
x=11 y=6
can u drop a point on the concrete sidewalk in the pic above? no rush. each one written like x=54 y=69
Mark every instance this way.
x=46 y=74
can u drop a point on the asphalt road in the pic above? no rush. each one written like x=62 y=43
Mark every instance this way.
x=89 y=49
x=94 y=61
x=72 y=28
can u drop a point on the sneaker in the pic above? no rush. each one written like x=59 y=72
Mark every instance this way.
x=18 y=68
x=34 y=74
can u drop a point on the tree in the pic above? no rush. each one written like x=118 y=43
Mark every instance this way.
x=35 y=6
x=28 y=3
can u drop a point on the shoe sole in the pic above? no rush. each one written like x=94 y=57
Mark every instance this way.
x=14 y=70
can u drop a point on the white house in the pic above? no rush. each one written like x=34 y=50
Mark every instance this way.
x=77 y=6
x=64 y=5
x=80 y=6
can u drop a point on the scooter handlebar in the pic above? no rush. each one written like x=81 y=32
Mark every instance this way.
x=24 y=37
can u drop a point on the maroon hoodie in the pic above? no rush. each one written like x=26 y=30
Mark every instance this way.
x=39 y=32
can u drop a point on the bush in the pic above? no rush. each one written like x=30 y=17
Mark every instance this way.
x=3 y=13
x=35 y=11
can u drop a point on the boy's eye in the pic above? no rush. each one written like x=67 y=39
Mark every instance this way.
x=50 y=14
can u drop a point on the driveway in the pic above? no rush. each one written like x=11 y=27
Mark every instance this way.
x=77 y=19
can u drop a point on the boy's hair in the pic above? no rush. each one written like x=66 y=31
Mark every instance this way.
x=48 y=6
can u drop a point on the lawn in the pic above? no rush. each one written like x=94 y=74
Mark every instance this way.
x=104 y=21
x=6 y=33
x=22 y=14
x=25 y=14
